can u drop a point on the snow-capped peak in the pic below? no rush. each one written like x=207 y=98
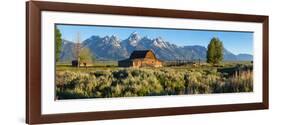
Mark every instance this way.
x=134 y=38
x=159 y=42
x=114 y=37
x=106 y=39
x=112 y=40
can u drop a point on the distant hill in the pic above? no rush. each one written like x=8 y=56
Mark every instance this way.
x=244 y=57
x=66 y=53
x=113 y=48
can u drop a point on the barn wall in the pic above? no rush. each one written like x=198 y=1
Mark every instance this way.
x=146 y=63
x=150 y=60
x=150 y=55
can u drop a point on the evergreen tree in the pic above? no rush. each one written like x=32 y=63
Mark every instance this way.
x=211 y=52
x=58 y=43
x=215 y=51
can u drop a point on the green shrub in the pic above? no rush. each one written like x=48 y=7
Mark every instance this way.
x=129 y=82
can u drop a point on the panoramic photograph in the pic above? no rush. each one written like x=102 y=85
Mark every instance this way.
x=114 y=61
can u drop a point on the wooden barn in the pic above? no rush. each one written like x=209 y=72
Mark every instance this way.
x=141 y=58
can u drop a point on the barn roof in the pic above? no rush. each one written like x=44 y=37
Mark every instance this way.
x=139 y=54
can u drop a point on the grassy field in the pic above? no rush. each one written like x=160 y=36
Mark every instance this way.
x=105 y=80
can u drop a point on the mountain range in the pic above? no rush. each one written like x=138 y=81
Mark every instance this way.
x=113 y=48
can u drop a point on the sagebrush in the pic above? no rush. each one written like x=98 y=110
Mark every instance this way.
x=129 y=82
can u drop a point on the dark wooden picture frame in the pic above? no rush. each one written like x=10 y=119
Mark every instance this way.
x=33 y=61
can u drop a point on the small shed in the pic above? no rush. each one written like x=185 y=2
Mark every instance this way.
x=74 y=63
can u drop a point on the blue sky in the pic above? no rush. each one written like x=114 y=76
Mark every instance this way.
x=236 y=42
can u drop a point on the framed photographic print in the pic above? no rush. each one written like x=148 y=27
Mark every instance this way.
x=94 y=62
